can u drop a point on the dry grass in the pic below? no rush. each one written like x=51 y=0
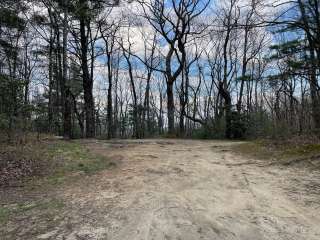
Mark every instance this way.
x=20 y=160
x=285 y=151
x=48 y=159
x=30 y=173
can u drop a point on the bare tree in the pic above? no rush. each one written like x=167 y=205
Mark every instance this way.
x=109 y=35
x=175 y=27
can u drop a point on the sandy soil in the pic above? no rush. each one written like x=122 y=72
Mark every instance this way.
x=185 y=190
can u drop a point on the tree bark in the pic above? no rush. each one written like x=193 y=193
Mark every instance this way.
x=170 y=107
x=87 y=80
x=67 y=124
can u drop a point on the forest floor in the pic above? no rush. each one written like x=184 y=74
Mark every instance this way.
x=170 y=190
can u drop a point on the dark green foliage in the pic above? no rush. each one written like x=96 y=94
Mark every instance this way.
x=259 y=125
x=10 y=19
x=299 y=64
x=86 y=9
x=239 y=125
x=213 y=129
x=290 y=47
x=244 y=78
x=40 y=113
x=10 y=101
x=39 y=19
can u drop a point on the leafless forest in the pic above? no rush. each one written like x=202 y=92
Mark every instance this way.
x=138 y=69
x=160 y=119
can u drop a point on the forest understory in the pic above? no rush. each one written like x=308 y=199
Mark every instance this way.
x=164 y=189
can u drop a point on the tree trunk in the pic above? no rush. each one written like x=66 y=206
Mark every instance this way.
x=146 y=106
x=109 y=105
x=170 y=107
x=87 y=82
x=67 y=125
x=228 y=105
x=313 y=72
x=160 y=120
x=244 y=70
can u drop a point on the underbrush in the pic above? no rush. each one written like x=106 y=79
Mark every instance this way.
x=73 y=158
x=48 y=160
x=31 y=172
x=18 y=161
x=47 y=207
x=300 y=149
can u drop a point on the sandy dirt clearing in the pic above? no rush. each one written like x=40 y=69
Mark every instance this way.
x=184 y=190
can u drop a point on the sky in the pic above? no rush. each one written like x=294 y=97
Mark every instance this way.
x=140 y=32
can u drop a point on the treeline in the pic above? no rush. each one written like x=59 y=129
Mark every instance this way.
x=188 y=68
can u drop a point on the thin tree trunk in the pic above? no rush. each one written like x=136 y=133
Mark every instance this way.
x=87 y=81
x=170 y=107
x=67 y=125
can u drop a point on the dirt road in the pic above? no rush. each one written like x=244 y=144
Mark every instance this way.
x=188 y=190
